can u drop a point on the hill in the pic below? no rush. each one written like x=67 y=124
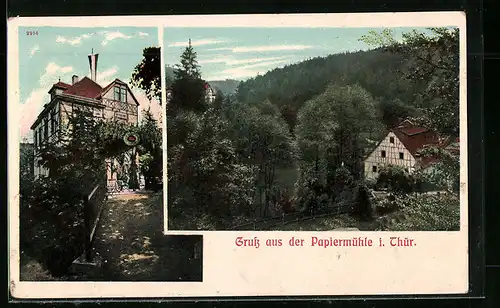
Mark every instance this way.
x=227 y=86
x=375 y=70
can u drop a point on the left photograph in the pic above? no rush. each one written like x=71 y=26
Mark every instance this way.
x=90 y=159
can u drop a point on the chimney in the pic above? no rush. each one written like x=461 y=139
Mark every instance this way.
x=93 y=65
x=74 y=79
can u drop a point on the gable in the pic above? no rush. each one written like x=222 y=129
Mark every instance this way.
x=385 y=143
x=117 y=82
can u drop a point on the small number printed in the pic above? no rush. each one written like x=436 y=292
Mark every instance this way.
x=31 y=32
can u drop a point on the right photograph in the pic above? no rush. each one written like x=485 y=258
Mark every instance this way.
x=312 y=129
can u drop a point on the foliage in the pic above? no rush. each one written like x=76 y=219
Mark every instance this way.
x=445 y=172
x=396 y=179
x=262 y=140
x=433 y=59
x=147 y=74
x=52 y=208
x=426 y=213
x=331 y=133
x=150 y=151
x=204 y=170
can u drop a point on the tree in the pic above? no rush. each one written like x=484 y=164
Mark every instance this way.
x=333 y=128
x=262 y=139
x=147 y=74
x=150 y=151
x=433 y=59
x=188 y=89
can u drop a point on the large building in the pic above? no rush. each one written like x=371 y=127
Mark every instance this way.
x=113 y=102
x=401 y=148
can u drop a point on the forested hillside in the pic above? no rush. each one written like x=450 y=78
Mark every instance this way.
x=376 y=71
x=227 y=86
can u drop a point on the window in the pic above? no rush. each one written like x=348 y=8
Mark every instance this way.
x=35 y=138
x=401 y=155
x=391 y=139
x=120 y=94
x=374 y=168
x=382 y=153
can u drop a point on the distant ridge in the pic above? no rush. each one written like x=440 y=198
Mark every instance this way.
x=227 y=86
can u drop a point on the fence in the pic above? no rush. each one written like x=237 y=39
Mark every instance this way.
x=268 y=223
x=93 y=204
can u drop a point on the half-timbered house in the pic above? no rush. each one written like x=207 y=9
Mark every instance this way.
x=113 y=102
x=401 y=148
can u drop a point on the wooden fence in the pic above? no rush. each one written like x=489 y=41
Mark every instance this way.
x=268 y=223
x=93 y=204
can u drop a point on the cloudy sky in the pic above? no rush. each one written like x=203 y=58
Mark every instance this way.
x=59 y=53
x=240 y=53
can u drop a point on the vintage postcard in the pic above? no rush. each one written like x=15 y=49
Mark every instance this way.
x=239 y=155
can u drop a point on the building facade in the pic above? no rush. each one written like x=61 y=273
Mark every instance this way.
x=113 y=102
x=401 y=148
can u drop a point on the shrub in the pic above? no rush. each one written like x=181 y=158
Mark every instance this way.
x=427 y=213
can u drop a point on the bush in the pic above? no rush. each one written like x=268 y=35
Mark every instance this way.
x=427 y=213
x=397 y=180
x=363 y=205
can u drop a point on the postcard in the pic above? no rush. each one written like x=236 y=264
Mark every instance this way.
x=250 y=155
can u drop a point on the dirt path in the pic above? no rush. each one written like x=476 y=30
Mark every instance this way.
x=130 y=245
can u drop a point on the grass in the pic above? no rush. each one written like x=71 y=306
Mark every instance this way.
x=328 y=223
x=131 y=246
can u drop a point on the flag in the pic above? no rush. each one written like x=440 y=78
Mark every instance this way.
x=93 y=66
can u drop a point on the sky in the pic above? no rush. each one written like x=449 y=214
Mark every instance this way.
x=58 y=53
x=242 y=53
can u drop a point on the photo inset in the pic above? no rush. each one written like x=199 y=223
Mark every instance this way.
x=312 y=129
x=91 y=159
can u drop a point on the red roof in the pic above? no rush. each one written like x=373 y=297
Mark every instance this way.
x=85 y=88
x=62 y=85
x=410 y=131
x=416 y=138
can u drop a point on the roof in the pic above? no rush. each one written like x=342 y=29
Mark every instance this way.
x=416 y=138
x=61 y=85
x=85 y=88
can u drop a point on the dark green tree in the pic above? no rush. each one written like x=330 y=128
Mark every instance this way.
x=432 y=58
x=188 y=89
x=150 y=151
x=147 y=74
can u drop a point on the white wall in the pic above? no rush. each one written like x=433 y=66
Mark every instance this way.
x=392 y=151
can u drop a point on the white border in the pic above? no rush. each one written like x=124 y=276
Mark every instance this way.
x=438 y=265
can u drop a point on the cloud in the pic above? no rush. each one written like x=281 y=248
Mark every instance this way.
x=230 y=61
x=105 y=77
x=34 y=50
x=38 y=97
x=263 y=48
x=197 y=43
x=113 y=35
x=246 y=71
x=53 y=71
x=143 y=34
x=73 y=41
x=30 y=110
